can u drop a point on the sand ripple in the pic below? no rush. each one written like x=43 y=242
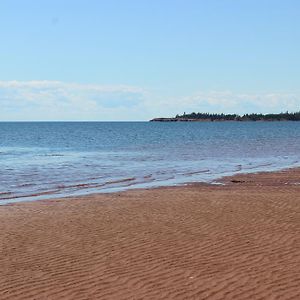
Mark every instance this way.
x=237 y=241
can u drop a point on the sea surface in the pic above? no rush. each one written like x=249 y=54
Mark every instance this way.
x=41 y=160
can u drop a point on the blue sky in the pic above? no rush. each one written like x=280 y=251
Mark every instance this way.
x=134 y=60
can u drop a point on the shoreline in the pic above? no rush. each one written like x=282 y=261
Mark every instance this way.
x=239 y=240
x=47 y=196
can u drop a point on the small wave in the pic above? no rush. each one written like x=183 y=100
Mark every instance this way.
x=161 y=172
x=197 y=172
x=5 y=193
x=120 y=180
x=93 y=185
x=79 y=185
x=26 y=185
x=165 y=179
x=258 y=166
x=94 y=178
x=33 y=195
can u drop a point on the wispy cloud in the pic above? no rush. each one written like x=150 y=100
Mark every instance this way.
x=230 y=102
x=56 y=100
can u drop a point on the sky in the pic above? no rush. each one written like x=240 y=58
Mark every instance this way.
x=123 y=60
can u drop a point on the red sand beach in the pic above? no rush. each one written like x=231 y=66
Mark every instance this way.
x=240 y=240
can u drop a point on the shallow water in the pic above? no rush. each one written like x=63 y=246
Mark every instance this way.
x=45 y=160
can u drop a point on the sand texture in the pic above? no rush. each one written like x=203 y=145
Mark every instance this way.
x=237 y=241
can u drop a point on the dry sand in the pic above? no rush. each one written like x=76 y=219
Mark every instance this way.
x=238 y=241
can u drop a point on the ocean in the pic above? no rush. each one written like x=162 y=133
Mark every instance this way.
x=41 y=160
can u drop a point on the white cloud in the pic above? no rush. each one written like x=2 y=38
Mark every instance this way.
x=229 y=102
x=56 y=100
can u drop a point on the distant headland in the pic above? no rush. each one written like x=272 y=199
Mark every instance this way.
x=207 y=117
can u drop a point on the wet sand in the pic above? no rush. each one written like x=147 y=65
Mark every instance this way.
x=240 y=240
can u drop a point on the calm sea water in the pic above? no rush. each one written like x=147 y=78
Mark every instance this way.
x=44 y=160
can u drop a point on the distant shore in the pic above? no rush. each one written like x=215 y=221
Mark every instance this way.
x=185 y=120
x=239 y=240
x=208 y=117
x=177 y=120
x=211 y=120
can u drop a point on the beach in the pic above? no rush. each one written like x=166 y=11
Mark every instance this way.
x=236 y=240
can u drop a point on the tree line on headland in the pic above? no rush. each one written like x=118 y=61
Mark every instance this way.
x=230 y=117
